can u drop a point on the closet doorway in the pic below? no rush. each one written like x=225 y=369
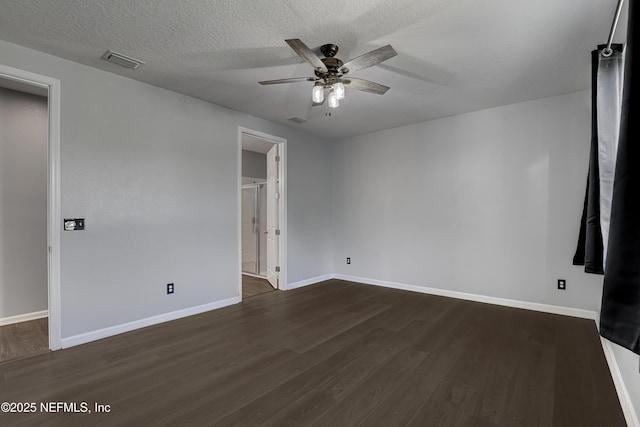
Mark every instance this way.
x=262 y=212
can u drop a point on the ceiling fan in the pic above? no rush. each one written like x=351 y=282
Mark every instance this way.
x=333 y=74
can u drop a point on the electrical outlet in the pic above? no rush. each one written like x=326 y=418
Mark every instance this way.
x=562 y=284
x=348 y=260
x=169 y=288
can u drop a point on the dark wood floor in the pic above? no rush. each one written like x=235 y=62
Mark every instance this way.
x=252 y=286
x=331 y=354
x=24 y=339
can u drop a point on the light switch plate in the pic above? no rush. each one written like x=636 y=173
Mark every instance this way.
x=73 y=224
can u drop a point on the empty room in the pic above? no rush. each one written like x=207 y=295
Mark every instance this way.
x=366 y=213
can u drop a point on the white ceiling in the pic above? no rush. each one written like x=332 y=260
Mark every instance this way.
x=454 y=56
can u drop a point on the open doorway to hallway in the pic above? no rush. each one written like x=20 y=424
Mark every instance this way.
x=262 y=210
x=24 y=288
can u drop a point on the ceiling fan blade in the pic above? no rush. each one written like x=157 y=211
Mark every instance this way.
x=365 y=86
x=291 y=80
x=371 y=58
x=307 y=54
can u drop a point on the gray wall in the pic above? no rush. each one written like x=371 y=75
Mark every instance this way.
x=155 y=174
x=485 y=203
x=254 y=165
x=23 y=203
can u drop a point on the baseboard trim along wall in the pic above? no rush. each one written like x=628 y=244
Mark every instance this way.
x=24 y=317
x=308 y=282
x=166 y=317
x=142 y=323
x=545 y=308
x=623 y=394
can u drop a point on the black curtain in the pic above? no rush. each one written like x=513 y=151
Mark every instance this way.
x=589 y=250
x=620 y=313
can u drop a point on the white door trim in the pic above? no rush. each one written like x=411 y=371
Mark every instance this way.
x=53 y=193
x=282 y=247
x=273 y=216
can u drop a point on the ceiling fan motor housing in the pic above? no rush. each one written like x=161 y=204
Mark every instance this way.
x=333 y=64
x=329 y=50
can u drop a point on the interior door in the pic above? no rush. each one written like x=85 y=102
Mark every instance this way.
x=272 y=232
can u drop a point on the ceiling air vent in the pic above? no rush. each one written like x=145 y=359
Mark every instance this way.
x=297 y=120
x=122 y=60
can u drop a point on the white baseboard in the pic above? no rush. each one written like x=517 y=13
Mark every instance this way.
x=630 y=414
x=307 y=282
x=149 y=321
x=24 y=317
x=257 y=276
x=545 y=308
x=142 y=323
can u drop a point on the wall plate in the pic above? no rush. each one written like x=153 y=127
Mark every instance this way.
x=73 y=224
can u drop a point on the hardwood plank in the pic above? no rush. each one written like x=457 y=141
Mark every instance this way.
x=24 y=339
x=402 y=405
x=329 y=380
x=575 y=377
x=263 y=409
x=370 y=393
x=252 y=286
x=335 y=353
x=215 y=407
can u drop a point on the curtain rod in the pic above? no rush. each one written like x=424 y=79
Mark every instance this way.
x=607 y=51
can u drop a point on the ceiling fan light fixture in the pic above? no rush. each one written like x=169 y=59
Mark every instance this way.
x=332 y=100
x=317 y=95
x=330 y=70
x=338 y=88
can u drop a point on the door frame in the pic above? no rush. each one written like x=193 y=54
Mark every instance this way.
x=53 y=193
x=282 y=208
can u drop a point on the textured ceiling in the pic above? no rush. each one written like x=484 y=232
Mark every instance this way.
x=454 y=56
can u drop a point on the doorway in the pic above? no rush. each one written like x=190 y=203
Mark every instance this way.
x=262 y=213
x=254 y=229
x=29 y=213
